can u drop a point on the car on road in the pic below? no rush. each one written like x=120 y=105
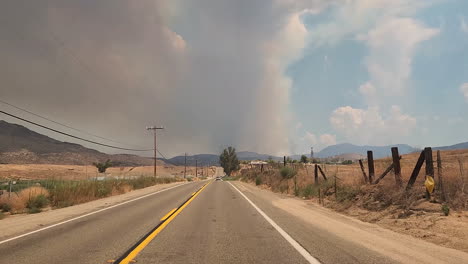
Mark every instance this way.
x=218 y=178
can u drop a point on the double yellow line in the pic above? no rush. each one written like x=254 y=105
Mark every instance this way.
x=133 y=252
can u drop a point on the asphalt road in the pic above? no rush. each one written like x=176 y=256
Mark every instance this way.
x=213 y=222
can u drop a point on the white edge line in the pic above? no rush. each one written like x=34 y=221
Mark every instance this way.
x=91 y=213
x=286 y=236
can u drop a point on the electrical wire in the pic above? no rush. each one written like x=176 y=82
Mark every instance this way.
x=72 y=136
x=61 y=124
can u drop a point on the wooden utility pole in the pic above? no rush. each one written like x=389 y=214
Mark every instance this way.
x=185 y=166
x=154 y=128
x=370 y=165
x=396 y=166
x=196 y=168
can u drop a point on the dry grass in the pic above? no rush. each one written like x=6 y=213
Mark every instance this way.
x=77 y=172
x=18 y=202
x=350 y=178
x=66 y=193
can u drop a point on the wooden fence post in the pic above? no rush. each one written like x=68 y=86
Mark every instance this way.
x=370 y=165
x=366 y=180
x=440 y=177
x=336 y=189
x=321 y=172
x=396 y=166
x=316 y=174
x=284 y=161
x=429 y=166
x=416 y=170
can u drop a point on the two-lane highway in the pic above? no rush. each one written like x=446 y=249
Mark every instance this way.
x=219 y=222
x=216 y=226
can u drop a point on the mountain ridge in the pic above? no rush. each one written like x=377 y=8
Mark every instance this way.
x=20 y=145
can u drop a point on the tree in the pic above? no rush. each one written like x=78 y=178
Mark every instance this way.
x=228 y=160
x=102 y=167
x=304 y=159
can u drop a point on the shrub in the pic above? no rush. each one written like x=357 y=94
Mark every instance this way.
x=346 y=193
x=258 y=180
x=39 y=201
x=287 y=172
x=189 y=179
x=445 y=209
x=347 y=162
x=5 y=207
x=34 y=210
x=102 y=167
x=309 y=191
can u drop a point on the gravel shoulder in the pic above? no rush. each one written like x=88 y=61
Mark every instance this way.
x=398 y=247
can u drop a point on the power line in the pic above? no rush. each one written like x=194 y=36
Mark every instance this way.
x=61 y=124
x=69 y=135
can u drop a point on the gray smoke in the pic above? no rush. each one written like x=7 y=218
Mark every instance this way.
x=210 y=71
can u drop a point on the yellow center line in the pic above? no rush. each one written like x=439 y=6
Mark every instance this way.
x=168 y=214
x=145 y=242
x=193 y=193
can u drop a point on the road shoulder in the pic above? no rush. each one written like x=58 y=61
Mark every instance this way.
x=364 y=236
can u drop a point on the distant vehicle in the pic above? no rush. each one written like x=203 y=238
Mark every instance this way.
x=219 y=178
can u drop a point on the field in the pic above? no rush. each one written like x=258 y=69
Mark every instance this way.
x=78 y=172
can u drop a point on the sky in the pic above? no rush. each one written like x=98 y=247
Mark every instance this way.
x=271 y=76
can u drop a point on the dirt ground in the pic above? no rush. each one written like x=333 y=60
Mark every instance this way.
x=78 y=172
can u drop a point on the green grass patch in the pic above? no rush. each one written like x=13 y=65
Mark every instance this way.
x=39 y=201
x=287 y=172
x=258 y=180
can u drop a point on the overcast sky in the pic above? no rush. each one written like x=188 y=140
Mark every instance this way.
x=272 y=76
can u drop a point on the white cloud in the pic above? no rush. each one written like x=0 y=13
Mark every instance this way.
x=463 y=25
x=368 y=126
x=368 y=91
x=327 y=140
x=310 y=138
x=355 y=17
x=392 y=45
x=464 y=90
x=318 y=142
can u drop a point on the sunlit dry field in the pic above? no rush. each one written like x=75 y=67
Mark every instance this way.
x=76 y=172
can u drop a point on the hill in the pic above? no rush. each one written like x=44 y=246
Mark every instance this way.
x=200 y=159
x=463 y=145
x=20 y=145
x=379 y=151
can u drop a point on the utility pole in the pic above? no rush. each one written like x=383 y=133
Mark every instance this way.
x=185 y=168
x=154 y=129
x=196 y=168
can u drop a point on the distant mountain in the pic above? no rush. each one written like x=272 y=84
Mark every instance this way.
x=463 y=145
x=347 y=151
x=246 y=155
x=199 y=159
x=212 y=159
x=378 y=151
x=20 y=145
